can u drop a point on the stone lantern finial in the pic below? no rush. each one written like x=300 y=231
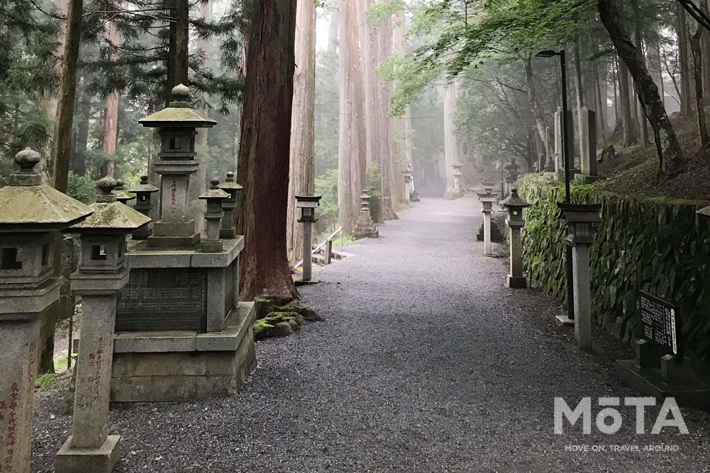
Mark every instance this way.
x=27 y=159
x=106 y=185
x=181 y=96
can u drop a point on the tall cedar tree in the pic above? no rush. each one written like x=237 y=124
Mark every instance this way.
x=670 y=155
x=264 y=150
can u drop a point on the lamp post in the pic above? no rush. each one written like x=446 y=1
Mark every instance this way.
x=565 y=151
x=308 y=205
x=515 y=205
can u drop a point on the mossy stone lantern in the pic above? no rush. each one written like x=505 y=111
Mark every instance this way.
x=177 y=127
x=581 y=219
x=229 y=222
x=515 y=205
x=214 y=197
x=101 y=274
x=31 y=214
x=144 y=193
x=365 y=227
x=308 y=205
x=120 y=192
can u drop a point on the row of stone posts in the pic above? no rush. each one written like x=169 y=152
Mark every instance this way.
x=580 y=219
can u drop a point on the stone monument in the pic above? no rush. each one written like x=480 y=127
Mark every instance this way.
x=308 y=206
x=580 y=220
x=511 y=176
x=31 y=214
x=589 y=148
x=181 y=331
x=515 y=205
x=101 y=274
x=407 y=174
x=559 y=144
x=365 y=226
x=121 y=195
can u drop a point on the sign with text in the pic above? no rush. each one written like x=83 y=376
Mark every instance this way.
x=660 y=323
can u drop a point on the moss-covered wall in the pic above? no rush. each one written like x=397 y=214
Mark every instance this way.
x=658 y=245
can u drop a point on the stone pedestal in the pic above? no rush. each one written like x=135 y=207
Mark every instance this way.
x=589 y=142
x=408 y=188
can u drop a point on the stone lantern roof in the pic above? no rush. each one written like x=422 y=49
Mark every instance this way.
x=121 y=194
x=178 y=114
x=230 y=185
x=144 y=187
x=514 y=200
x=27 y=205
x=110 y=216
x=214 y=192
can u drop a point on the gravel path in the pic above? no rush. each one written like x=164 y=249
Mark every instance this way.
x=426 y=363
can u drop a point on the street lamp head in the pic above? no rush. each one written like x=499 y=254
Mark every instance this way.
x=547 y=53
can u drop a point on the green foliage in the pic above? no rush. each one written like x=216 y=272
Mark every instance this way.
x=373 y=180
x=46 y=380
x=82 y=188
x=327 y=187
x=642 y=244
x=379 y=12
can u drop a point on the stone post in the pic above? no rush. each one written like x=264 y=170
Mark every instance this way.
x=580 y=220
x=144 y=205
x=515 y=205
x=487 y=199
x=457 y=191
x=549 y=160
x=215 y=198
x=101 y=275
x=308 y=205
x=177 y=126
x=31 y=214
x=407 y=186
x=229 y=222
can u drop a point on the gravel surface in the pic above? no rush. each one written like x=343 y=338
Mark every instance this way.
x=426 y=363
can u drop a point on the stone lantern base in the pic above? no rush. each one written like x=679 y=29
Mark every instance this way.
x=181 y=332
x=517 y=282
x=88 y=460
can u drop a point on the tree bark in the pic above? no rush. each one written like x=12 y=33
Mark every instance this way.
x=264 y=150
x=643 y=123
x=686 y=106
x=671 y=158
x=537 y=111
x=302 y=166
x=398 y=125
x=110 y=139
x=178 y=54
x=627 y=122
x=358 y=149
x=696 y=46
x=384 y=43
x=346 y=212
x=368 y=39
x=333 y=30
x=450 y=148
x=79 y=145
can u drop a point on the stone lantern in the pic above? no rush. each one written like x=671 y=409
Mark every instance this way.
x=101 y=274
x=511 y=176
x=407 y=173
x=308 y=206
x=214 y=198
x=487 y=199
x=365 y=227
x=143 y=191
x=457 y=191
x=515 y=205
x=229 y=222
x=580 y=222
x=177 y=127
x=31 y=214
x=121 y=195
